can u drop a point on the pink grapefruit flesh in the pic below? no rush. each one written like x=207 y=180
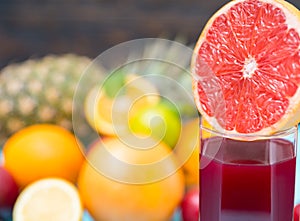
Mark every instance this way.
x=247 y=67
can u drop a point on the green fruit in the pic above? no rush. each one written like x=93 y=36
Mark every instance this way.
x=161 y=121
x=39 y=91
x=170 y=68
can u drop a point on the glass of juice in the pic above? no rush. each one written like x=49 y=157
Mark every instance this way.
x=247 y=177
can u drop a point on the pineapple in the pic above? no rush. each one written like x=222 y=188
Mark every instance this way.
x=40 y=91
x=161 y=63
x=167 y=65
x=44 y=90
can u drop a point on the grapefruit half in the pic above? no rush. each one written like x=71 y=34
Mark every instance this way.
x=246 y=67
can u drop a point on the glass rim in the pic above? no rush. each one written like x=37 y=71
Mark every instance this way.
x=250 y=136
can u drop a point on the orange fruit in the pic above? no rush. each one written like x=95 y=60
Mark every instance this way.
x=48 y=199
x=246 y=67
x=132 y=184
x=188 y=149
x=107 y=110
x=41 y=151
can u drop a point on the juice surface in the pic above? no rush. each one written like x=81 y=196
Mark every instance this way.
x=247 y=181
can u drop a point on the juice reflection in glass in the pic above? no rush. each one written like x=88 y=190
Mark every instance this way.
x=249 y=178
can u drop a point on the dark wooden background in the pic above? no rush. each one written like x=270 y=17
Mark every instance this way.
x=33 y=28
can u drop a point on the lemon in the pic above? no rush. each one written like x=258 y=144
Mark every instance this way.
x=50 y=199
x=161 y=121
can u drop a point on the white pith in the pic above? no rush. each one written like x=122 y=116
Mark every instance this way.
x=250 y=67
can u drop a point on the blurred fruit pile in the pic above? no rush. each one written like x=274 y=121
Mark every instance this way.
x=141 y=166
x=40 y=91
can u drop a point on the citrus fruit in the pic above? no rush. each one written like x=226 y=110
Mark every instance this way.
x=41 y=151
x=9 y=190
x=161 y=121
x=49 y=199
x=246 y=67
x=188 y=147
x=108 y=194
x=106 y=107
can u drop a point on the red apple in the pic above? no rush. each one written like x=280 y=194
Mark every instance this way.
x=9 y=190
x=297 y=213
x=190 y=205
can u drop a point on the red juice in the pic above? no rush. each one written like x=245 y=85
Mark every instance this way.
x=247 y=180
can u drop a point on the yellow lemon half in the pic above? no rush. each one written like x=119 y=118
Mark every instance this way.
x=50 y=199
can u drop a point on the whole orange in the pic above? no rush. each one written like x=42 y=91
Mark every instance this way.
x=41 y=151
x=187 y=151
x=112 y=188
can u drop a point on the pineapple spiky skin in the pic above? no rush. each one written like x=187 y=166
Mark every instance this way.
x=40 y=91
x=169 y=64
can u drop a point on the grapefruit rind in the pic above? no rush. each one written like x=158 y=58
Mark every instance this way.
x=292 y=115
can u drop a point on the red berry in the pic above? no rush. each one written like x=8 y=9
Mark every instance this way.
x=190 y=205
x=297 y=213
x=9 y=190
